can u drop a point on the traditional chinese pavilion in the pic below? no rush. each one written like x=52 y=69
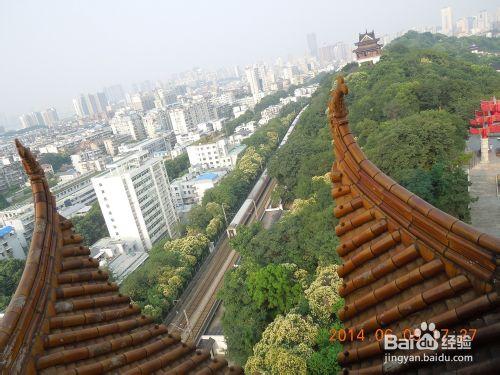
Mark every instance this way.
x=368 y=48
x=485 y=122
x=66 y=317
x=405 y=262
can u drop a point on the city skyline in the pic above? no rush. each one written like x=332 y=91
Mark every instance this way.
x=69 y=66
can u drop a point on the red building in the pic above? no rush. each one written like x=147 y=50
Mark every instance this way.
x=368 y=48
x=487 y=119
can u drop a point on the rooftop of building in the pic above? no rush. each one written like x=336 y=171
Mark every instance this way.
x=6 y=230
x=405 y=262
x=66 y=316
x=208 y=176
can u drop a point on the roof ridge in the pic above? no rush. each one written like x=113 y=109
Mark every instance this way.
x=426 y=222
x=64 y=296
x=403 y=260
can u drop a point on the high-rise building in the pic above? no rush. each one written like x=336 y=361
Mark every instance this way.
x=461 y=28
x=115 y=93
x=142 y=101
x=90 y=105
x=81 y=107
x=312 y=44
x=50 y=117
x=446 y=21
x=128 y=122
x=26 y=121
x=102 y=102
x=218 y=154
x=326 y=54
x=31 y=119
x=136 y=202
x=156 y=121
x=180 y=121
x=483 y=24
x=252 y=75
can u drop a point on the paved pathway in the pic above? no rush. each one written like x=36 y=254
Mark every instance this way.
x=485 y=213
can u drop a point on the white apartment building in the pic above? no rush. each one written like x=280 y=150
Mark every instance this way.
x=180 y=121
x=446 y=21
x=70 y=198
x=184 y=118
x=189 y=189
x=128 y=122
x=157 y=146
x=10 y=245
x=156 y=121
x=218 y=154
x=90 y=161
x=136 y=202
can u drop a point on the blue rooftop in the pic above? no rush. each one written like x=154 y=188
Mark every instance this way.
x=207 y=176
x=6 y=230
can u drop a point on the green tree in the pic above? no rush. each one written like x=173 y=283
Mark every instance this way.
x=3 y=202
x=91 y=226
x=56 y=160
x=242 y=321
x=11 y=271
x=285 y=346
x=275 y=288
x=177 y=167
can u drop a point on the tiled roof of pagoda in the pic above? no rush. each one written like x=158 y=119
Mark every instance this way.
x=406 y=262
x=66 y=317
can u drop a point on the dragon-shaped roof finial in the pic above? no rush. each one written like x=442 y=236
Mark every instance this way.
x=337 y=107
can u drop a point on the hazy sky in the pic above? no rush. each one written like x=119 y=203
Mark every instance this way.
x=51 y=50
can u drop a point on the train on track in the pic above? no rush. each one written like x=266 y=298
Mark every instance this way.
x=249 y=207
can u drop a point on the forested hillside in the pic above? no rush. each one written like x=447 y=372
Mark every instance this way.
x=410 y=113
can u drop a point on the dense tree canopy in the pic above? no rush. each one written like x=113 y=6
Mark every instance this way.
x=410 y=113
x=56 y=160
x=171 y=264
x=11 y=271
x=91 y=226
x=177 y=167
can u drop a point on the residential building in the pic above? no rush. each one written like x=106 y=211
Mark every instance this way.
x=10 y=244
x=115 y=94
x=252 y=76
x=142 y=101
x=90 y=160
x=136 y=203
x=312 y=44
x=81 y=107
x=118 y=256
x=11 y=175
x=70 y=197
x=50 y=117
x=180 y=121
x=483 y=23
x=112 y=143
x=189 y=189
x=158 y=146
x=217 y=154
x=31 y=119
x=91 y=105
x=129 y=123
x=326 y=54
x=156 y=121
x=446 y=21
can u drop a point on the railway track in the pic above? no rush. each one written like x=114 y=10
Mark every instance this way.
x=196 y=306
x=190 y=315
